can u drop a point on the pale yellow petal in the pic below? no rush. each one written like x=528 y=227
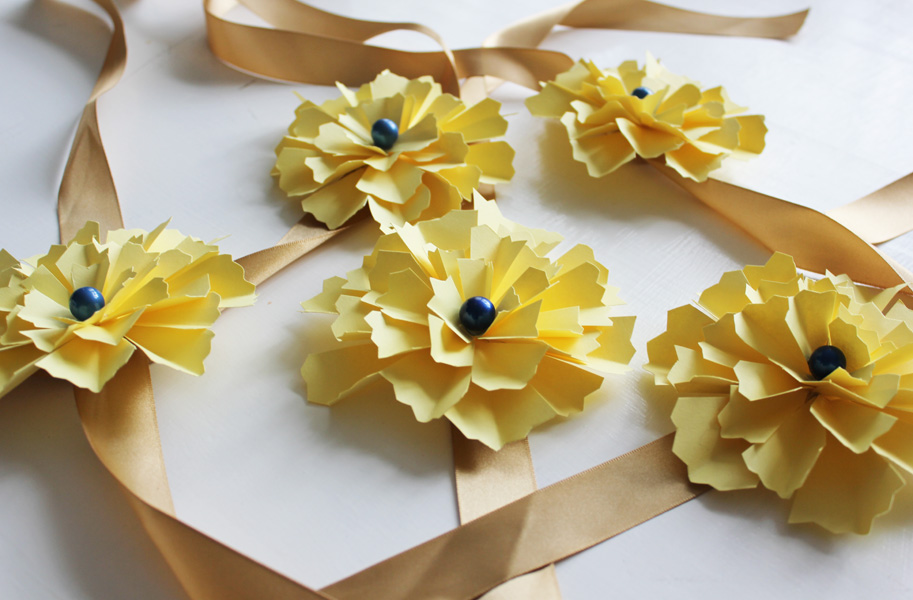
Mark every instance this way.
x=808 y=318
x=133 y=298
x=897 y=445
x=615 y=348
x=447 y=347
x=684 y=326
x=406 y=298
x=577 y=287
x=109 y=332
x=418 y=136
x=565 y=386
x=693 y=163
x=723 y=346
x=710 y=458
x=295 y=177
x=393 y=337
x=181 y=349
x=444 y=198
x=336 y=203
x=779 y=267
x=396 y=185
x=182 y=313
x=563 y=322
x=351 y=323
x=691 y=374
x=474 y=277
x=856 y=426
x=846 y=491
x=724 y=138
x=502 y=365
x=785 y=459
x=764 y=328
x=846 y=337
x=755 y=420
x=501 y=417
x=648 y=142
x=430 y=388
x=464 y=178
x=494 y=160
x=553 y=101
x=751 y=134
x=86 y=364
x=17 y=363
x=481 y=121
x=763 y=380
x=518 y=323
x=325 y=301
x=308 y=119
x=334 y=374
x=601 y=154
x=730 y=295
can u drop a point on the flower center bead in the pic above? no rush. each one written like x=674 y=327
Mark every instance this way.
x=641 y=92
x=477 y=314
x=384 y=133
x=825 y=360
x=85 y=302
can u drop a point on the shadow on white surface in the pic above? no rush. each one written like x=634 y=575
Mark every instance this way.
x=83 y=521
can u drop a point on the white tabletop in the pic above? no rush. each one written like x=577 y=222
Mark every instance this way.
x=320 y=493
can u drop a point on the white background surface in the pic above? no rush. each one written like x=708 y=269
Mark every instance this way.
x=320 y=493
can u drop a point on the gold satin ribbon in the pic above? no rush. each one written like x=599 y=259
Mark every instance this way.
x=642 y=15
x=882 y=215
x=304 y=236
x=87 y=174
x=632 y=15
x=528 y=534
x=316 y=47
x=816 y=241
x=487 y=480
x=459 y=565
x=544 y=527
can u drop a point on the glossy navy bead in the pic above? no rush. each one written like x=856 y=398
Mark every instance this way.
x=825 y=360
x=641 y=92
x=85 y=302
x=477 y=314
x=384 y=133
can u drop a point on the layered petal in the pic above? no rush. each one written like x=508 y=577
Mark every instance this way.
x=612 y=115
x=430 y=152
x=468 y=319
x=158 y=292
x=800 y=384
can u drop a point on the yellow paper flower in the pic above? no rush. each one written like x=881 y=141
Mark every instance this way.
x=613 y=115
x=803 y=385
x=80 y=311
x=401 y=146
x=469 y=320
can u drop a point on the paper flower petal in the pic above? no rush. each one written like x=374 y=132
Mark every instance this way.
x=613 y=115
x=401 y=314
x=763 y=397
x=441 y=151
x=162 y=292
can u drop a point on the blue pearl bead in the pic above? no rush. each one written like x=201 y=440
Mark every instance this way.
x=85 y=302
x=477 y=314
x=825 y=360
x=384 y=133
x=641 y=92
